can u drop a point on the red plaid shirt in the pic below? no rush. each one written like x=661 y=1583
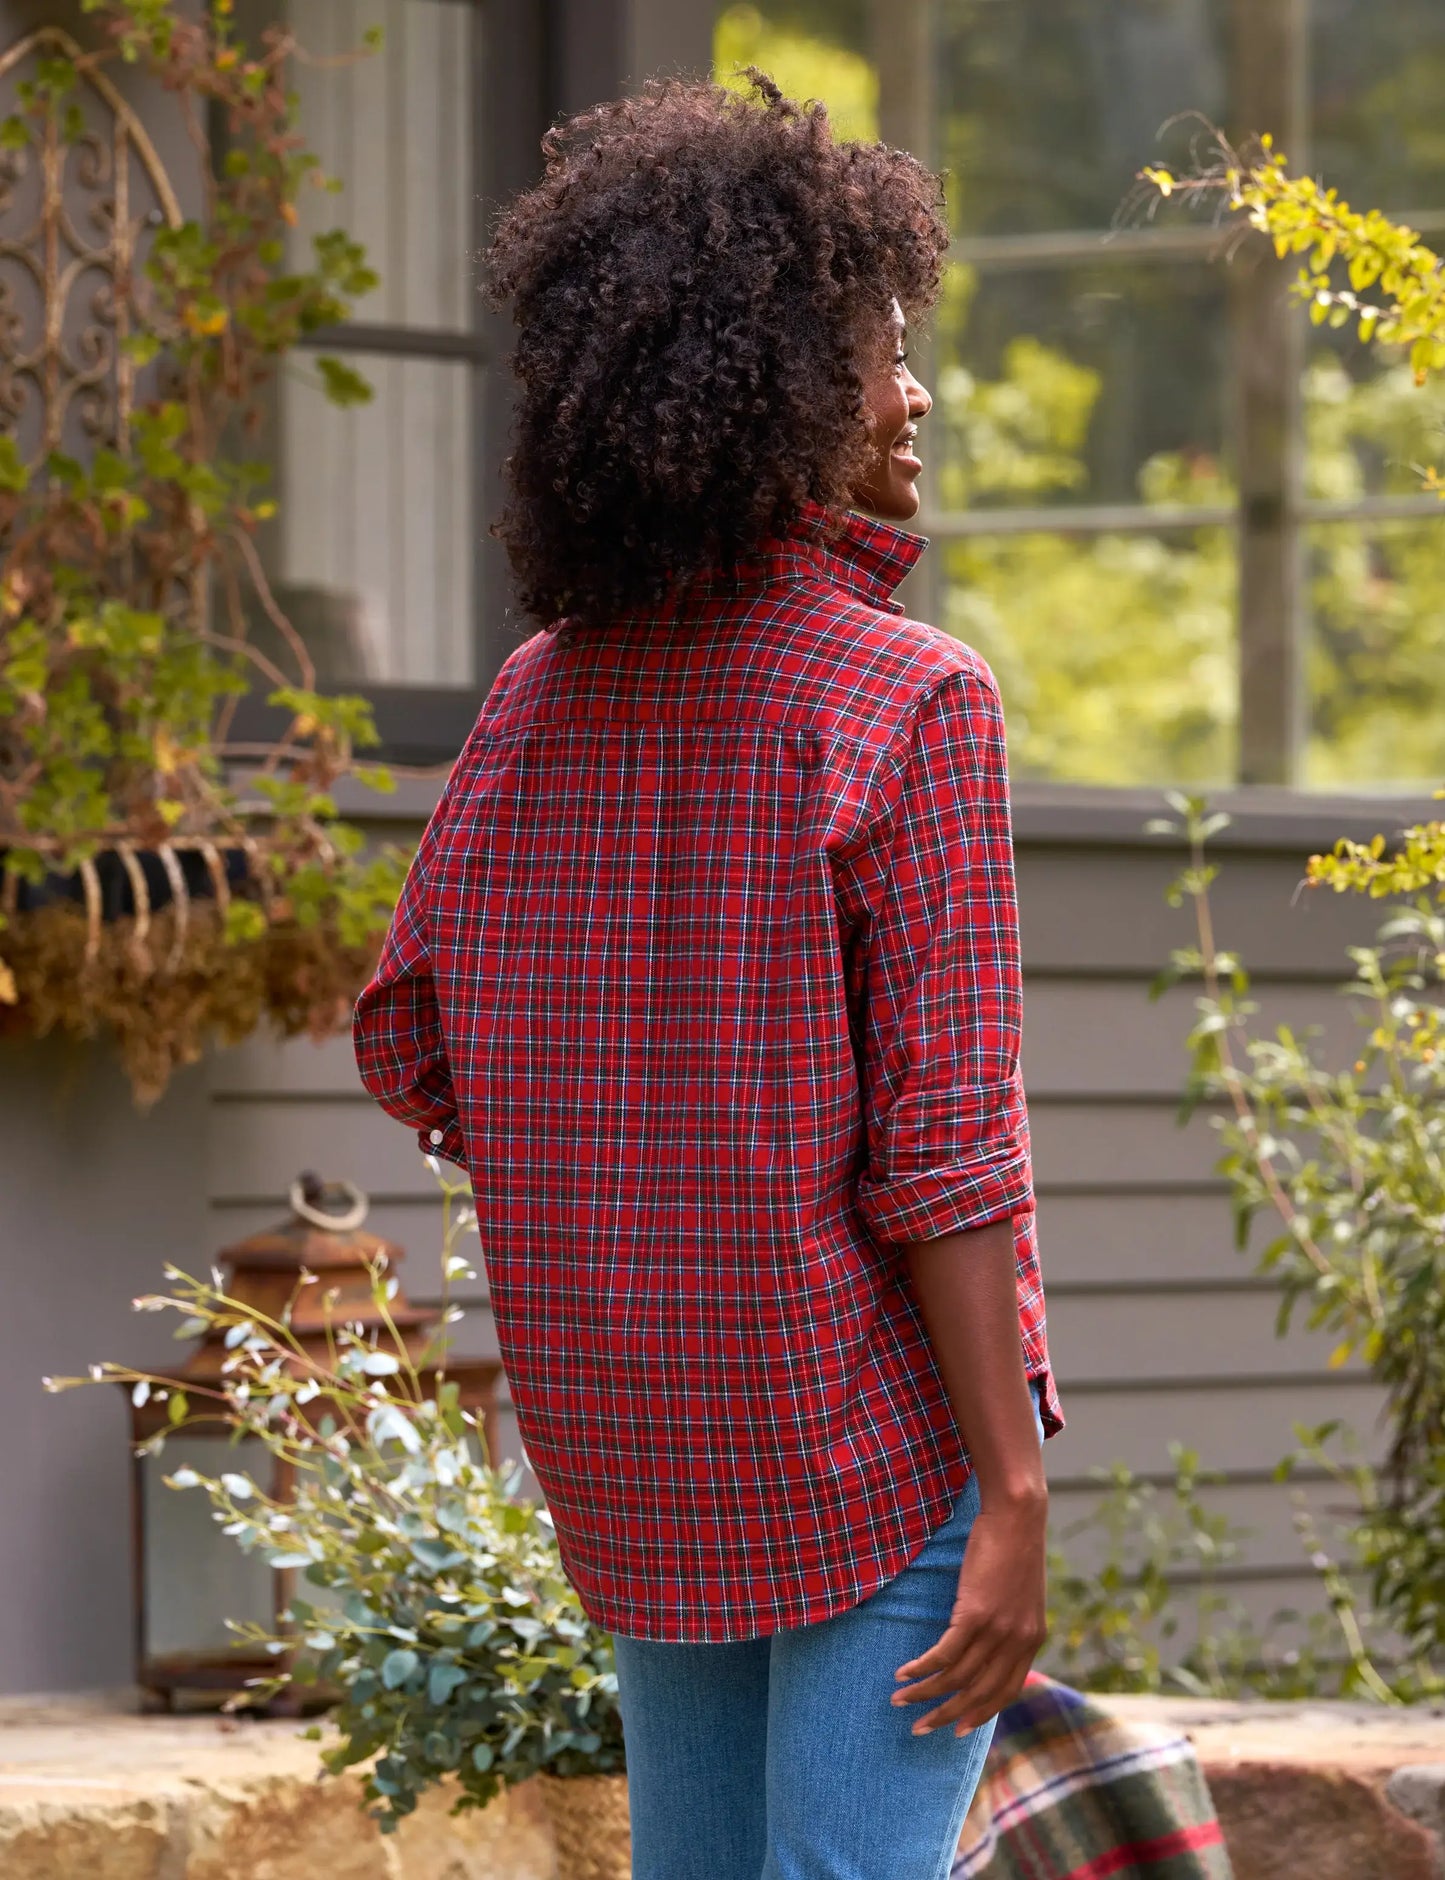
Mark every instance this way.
x=707 y=971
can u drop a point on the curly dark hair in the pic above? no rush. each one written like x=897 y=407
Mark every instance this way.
x=699 y=282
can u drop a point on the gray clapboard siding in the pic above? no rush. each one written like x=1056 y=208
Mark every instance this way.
x=1259 y=1508
x=1202 y=1335
x=1094 y=912
x=1086 y=1037
x=1239 y=1425
x=1160 y=1328
x=1173 y=1238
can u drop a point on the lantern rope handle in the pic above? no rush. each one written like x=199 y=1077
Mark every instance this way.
x=333 y=1223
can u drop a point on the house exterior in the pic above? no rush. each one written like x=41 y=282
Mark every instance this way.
x=1213 y=526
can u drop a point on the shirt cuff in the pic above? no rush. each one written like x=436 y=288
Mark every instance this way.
x=947 y=1200
x=445 y=1141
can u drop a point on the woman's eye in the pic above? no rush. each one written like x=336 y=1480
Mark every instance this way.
x=902 y=359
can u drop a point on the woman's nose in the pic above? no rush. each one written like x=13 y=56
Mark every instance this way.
x=920 y=399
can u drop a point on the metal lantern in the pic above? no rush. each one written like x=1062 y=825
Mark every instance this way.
x=189 y=1578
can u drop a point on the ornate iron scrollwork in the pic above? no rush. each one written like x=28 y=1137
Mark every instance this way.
x=74 y=218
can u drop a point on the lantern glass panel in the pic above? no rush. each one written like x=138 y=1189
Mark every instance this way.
x=196 y=1577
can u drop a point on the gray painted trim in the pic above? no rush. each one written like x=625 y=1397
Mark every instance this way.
x=1161 y=518
x=1267 y=818
x=407 y=342
x=1288 y=822
x=1230 y=1381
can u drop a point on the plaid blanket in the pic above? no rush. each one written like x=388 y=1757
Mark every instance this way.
x=1071 y=1793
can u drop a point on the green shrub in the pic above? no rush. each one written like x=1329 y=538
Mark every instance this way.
x=1350 y=1159
x=1151 y=1612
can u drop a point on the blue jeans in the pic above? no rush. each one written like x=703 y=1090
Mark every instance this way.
x=781 y=1758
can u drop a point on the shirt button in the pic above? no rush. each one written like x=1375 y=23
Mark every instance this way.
x=436 y=1135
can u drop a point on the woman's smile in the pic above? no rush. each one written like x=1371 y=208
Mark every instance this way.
x=903 y=453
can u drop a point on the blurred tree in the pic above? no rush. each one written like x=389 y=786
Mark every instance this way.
x=804 y=65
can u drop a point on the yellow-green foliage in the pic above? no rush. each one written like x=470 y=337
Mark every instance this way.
x=1360 y=267
x=804 y=67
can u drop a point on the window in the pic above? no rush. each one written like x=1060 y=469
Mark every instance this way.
x=1185 y=527
x=376 y=552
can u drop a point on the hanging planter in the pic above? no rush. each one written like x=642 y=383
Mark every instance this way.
x=161 y=883
x=109 y=950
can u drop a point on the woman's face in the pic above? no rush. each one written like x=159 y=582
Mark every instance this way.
x=896 y=403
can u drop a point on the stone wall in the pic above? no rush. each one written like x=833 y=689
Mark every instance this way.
x=1332 y=1792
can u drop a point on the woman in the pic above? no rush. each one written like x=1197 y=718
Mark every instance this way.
x=707 y=972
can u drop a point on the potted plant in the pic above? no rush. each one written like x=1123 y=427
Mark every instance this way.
x=159 y=881
x=437 y=1617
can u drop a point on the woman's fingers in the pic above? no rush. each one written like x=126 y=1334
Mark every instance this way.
x=969 y=1664
x=969 y=1708
x=940 y=1656
x=968 y=1655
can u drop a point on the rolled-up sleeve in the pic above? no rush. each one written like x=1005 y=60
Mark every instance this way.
x=397 y=1028
x=939 y=1005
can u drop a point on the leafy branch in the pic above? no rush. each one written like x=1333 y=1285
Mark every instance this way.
x=1360 y=267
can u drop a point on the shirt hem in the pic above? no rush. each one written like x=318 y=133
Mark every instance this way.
x=932 y=1512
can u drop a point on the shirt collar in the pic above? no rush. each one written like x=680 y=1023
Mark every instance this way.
x=868 y=557
x=865 y=557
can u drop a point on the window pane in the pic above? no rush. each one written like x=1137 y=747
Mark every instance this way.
x=372 y=550
x=395 y=128
x=1371 y=429
x=1095 y=384
x=1377 y=659
x=1042 y=111
x=1116 y=656
x=1377 y=80
x=1047 y=109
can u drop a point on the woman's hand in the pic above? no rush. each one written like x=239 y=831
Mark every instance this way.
x=997 y=1626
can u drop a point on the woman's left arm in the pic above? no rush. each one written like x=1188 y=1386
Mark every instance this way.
x=966 y=1285
x=948 y=1157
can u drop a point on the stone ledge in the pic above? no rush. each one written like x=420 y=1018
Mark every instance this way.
x=1305 y=1792
x=94 y=1792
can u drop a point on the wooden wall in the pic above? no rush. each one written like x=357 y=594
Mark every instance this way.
x=1159 y=1328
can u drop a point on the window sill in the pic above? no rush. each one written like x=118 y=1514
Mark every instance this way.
x=1084 y=816
x=1265 y=818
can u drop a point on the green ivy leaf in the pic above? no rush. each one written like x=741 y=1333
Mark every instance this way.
x=14 y=477
x=342 y=383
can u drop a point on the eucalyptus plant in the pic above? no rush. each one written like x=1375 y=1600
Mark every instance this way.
x=131 y=578
x=437 y=1615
